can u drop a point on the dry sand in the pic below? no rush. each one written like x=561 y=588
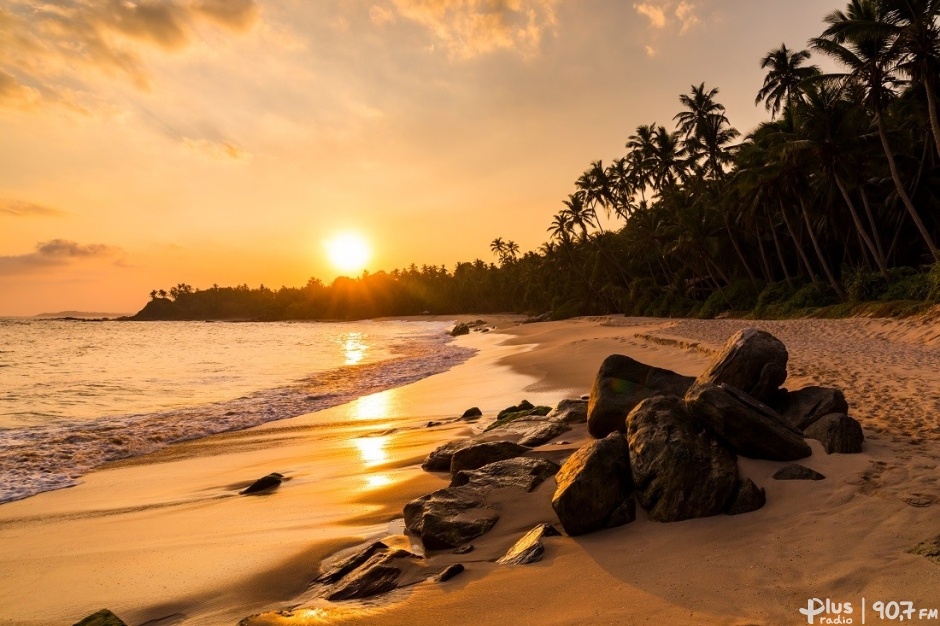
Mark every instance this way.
x=163 y=538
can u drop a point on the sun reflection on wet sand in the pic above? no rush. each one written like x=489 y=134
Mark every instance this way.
x=374 y=407
x=372 y=450
x=354 y=347
x=375 y=481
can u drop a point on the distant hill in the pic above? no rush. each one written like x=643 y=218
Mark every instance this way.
x=79 y=314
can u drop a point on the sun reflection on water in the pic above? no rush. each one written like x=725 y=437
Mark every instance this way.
x=372 y=450
x=354 y=348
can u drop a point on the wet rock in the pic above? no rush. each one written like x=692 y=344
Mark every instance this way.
x=521 y=472
x=750 y=428
x=593 y=483
x=477 y=455
x=264 y=484
x=449 y=572
x=464 y=549
x=342 y=567
x=747 y=497
x=449 y=517
x=104 y=617
x=433 y=424
x=622 y=383
x=803 y=407
x=541 y=434
x=797 y=472
x=680 y=471
x=753 y=361
x=439 y=460
x=472 y=413
x=570 y=411
x=523 y=410
x=460 y=329
x=837 y=433
x=529 y=548
x=375 y=576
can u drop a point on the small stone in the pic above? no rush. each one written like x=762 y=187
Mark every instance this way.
x=460 y=329
x=472 y=413
x=529 y=548
x=450 y=571
x=464 y=549
x=264 y=484
x=797 y=472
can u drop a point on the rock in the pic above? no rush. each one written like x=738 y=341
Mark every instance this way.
x=521 y=411
x=803 y=407
x=375 y=576
x=837 y=432
x=753 y=361
x=464 y=549
x=529 y=548
x=460 y=329
x=104 y=617
x=472 y=413
x=929 y=549
x=449 y=517
x=570 y=411
x=750 y=428
x=624 y=514
x=680 y=471
x=477 y=455
x=264 y=484
x=439 y=460
x=449 y=572
x=340 y=568
x=593 y=483
x=747 y=497
x=521 y=472
x=542 y=433
x=797 y=472
x=525 y=405
x=432 y=424
x=621 y=383
x=544 y=317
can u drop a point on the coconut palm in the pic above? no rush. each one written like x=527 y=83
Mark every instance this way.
x=785 y=77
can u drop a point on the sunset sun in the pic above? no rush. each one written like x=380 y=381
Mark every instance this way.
x=348 y=252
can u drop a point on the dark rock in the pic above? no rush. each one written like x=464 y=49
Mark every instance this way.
x=747 y=497
x=340 y=568
x=749 y=427
x=439 y=459
x=543 y=433
x=521 y=411
x=680 y=471
x=592 y=484
x=521 y=472
x=753 y=361
x=464 y=549
x=544 y=317
x=375 y=576
x=624 y=514
x=797 y=472
x=525 y=405
x=449 y=517
x=471 y=413
x=460 y=329
x=104 y=617
x=929 y=549
x=433 y=424
x=570 y=411
x=529 y=548
x=803 y=407
x=621 y=383
x=477 y=455
x=838 y=433
x=264 y=484
x=450 y=571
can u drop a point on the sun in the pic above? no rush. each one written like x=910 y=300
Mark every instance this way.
x=348 y=252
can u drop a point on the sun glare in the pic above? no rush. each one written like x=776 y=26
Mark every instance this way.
x=348 y=252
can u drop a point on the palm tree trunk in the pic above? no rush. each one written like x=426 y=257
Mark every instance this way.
x=932 y=111
x=765 y=264
x=796 y=242
x=876 y=235
x=783 y=263
x=893 y=166
x=819 y=253
x=862 y=233
x=737 y=248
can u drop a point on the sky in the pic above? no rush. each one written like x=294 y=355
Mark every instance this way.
x=144 y=143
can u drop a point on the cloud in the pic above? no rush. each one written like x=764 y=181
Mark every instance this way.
x=18 y=208
x=650 y=51
x=44 y=44
x=58 y=253
x=661 y=15
x=656 y=15
x=381 y=16
x=470 y=28
x=685 y=13
x=216 y=149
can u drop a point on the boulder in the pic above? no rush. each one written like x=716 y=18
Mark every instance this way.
x=803 y=407
x=104 y=617
x=747 y=497
x=750 y=428
x=621 y=383
x=375 y=576
x=680 y=470
x=570 y=411
x=521 y=411
x=593 y=483
x=472 y=413
x=265 y=484
x=460 y=329
x=477 y=455
x=797 y=472
x=541 y=434
x=449 y=572
x=837 y=432
x=340 y=568
x=439 y=460
x=521 y=472
x=753 y=361
x=529 y=548
x=449 y=517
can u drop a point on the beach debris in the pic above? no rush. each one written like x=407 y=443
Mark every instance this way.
x=542 y=433
x=460 y=329
x=621 y=383
x=449 y=517
x=679 y=469
x=529 y=548
x=464 y=549
x=265 y=484
x=592 y=484
x=747 y=497
x=104 y=617
x=929 y=549
x=449 y=572
x=838 y=433
x=749 y=427
x=803 y=407
x=797 y=472
x=472 y=413
x=570 y=411
x=520 y=472
x=753 y=361
x=479 y=454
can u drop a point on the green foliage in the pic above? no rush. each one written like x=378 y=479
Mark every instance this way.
x=741 y=295
x=902 y=283
x=569 y=309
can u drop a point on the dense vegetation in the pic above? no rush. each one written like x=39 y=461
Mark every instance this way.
x=832 y=201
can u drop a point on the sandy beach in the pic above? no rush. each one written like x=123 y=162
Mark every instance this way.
x=164 y=539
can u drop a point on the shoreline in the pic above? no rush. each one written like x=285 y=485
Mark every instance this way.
x=231 y=557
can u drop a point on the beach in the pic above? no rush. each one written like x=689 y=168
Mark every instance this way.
x=164 y=539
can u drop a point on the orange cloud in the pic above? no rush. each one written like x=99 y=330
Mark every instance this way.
x=55 y=254
x=18 y=208
x=662 y=14
x=656 y=15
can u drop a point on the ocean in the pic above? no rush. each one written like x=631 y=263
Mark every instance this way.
x=75 y=394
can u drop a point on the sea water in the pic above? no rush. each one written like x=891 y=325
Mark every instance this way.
x=75 y=394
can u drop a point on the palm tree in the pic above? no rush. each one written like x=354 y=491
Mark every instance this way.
x=498 y=247
x=785 y=78
x=512 y=250
x=578 y=213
